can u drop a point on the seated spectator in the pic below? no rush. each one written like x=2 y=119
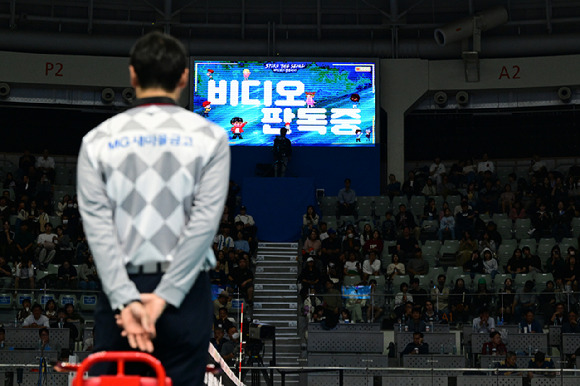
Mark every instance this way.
x=218 y=275
x=410 y=186
x=509 y=365
x=529 y=325
x=312 y=246
x=222 y=320
x=224 y=300
x=447 y=226
x=24 y=273
x=541 y=222
x=36 y=319
x=417 y=265
x=311 y=302
x=525 y=299
x=495 y=346
x=571 y=326
x=67 y=277
x=548 y=305
x=309 y=221
x=376 y=303
x=388 y=227
x=71 y=315
x=571 y=271
x=464 y=220
x=416 y=324
x=45 y=165
x=490 y=264
x=539 y=362
x=374 y=244
x=331 y=247
x=351 y=243
x=474 y=265
x=2 y=338
x=24 y=241
x=241 y=244
x=446 y=187
x=430 y=211
x=561 y=220
x=352 y=266
x=488 y=198
x=88 y=276
x=231 y=347
x=460 y=301
x=347 y=204
x=402 y=298
x=243 y=278
x=24 y=311
x=507 y=199
x=367 y=234
x=440 y=294
x=50 y=311
x=354 y=305
x=430 y=314
x=417 y=347
x=483 y=324
x=406 y=219
x=371 y=266
x=482 y=297
x=420 y=295
x=393 y=187
x=7 y=245
x=45 y=344
x=64 y=247
x=516 y=263
x=331 y=301
x=406 y=245
x=467 y=245
x=555 y=264
x=218 y=338
x=247 y=219
x=311 y=277
x=334 y=273
x=517 y=211
x=323 y=231
x=430 y=189
x=532 y=262
x=487 y=242
x=395 y=268
x=5 y=274
x=223 y=241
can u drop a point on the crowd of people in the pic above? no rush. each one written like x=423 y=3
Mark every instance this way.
x=386 y=248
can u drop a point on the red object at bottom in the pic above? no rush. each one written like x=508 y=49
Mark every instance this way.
x=121 y=379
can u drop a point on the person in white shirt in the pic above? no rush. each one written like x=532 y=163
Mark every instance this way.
x=436 y=170
x=45 y=165
x=485 y=165
x=244 y=217
x=483 y=324
x=371 y=266
x=36 y=319
x=46 y=245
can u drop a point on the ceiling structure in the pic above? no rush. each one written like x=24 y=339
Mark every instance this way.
x=323 y=28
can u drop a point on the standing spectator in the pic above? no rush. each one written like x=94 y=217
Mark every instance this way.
x=282 y=153
x=347 y=204
x=561 y=220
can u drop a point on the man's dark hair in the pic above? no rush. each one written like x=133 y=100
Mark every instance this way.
x=43 y=329
x=418 y=333
x=510 y=354
x=36 y=305
x=493 y=334
x=158 y=60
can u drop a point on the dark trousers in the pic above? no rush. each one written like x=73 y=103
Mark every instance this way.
x=182 y=333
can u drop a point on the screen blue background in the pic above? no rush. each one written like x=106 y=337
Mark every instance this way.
x=333 y=83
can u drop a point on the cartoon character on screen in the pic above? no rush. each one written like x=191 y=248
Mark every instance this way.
x=206 y=108
x=355 y=98
x=358 y=134
x=246 y=73
x=368 y=134
x=310 y=99
x=210 y=74
x=237 y=127
x=287 y=127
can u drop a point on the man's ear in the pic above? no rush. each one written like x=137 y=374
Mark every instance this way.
x=183 y=79
x=133 y=77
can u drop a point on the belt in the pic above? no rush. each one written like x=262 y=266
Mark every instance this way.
x=148 y=268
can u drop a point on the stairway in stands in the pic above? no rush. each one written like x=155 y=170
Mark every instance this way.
x=276 y=302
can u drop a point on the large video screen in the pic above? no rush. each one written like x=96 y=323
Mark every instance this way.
x=319 y=103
